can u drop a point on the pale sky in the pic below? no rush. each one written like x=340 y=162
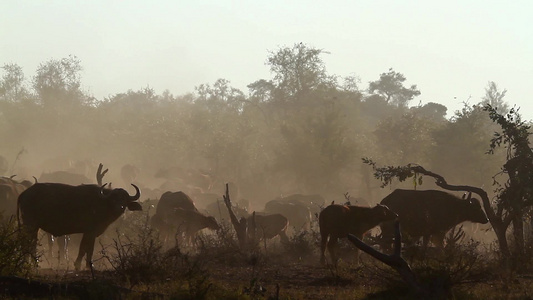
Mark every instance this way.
x=450 y=49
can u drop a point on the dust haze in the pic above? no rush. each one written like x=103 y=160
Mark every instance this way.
x=300 y=131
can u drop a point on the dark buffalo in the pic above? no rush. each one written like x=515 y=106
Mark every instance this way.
x=429 y=214
x=172 y=200
x=61 y=209
x=165 y=214
x=337 y=221
x=269 y=226
x=70 y=178
x=298 y=208
x=10 y=189
x=182 y=224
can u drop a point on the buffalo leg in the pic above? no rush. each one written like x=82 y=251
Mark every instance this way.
x=332 y=247
x=284 y=238
x=90 y=251
x=323 y=243
x=86 y=247
x=33 y=234
x=62 y=243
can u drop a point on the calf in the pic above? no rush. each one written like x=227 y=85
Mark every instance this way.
x=298 y=214
x=269 y=226
x=186 y=223
x=337 y=221
x=165 y=216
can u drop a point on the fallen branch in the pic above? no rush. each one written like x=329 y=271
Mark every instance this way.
x=394 y=260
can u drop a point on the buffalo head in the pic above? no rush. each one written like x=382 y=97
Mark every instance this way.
x=121 y=199
x=212 y=223
x=473 y=210
x=383 y=213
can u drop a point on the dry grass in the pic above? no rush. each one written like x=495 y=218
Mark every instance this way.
x=137 y=266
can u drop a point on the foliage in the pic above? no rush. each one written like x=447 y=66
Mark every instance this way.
x=407 y=138
x=459 y=147
x=494 y=98
x=12 y=85
x=297 y=71
x=515 y=196
x=390 y=87
x=16 y=254
x=58 y=83
x=515 y=138
x=388 y=173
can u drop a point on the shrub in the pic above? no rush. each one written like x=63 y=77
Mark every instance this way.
x=15 y=251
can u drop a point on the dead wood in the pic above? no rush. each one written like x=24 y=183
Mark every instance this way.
x=395 y=261
x=240 y=226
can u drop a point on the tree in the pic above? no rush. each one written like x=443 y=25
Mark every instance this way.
x=261 y=91
x=390 y=87
x=316 y=147
x=220 y=96
x=494 y=98
x=515 y=196
x=58 y=82
x=298 y=71
x=12 y=87
x=459 y=145
x=432 y=110
x=407 y=138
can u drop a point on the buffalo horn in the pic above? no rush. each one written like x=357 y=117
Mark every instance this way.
x=137 y=194
x=102 y=191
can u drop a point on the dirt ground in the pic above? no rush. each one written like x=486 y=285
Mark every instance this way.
x=271 y=279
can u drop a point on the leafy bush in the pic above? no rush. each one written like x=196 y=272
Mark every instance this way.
x=15 y=251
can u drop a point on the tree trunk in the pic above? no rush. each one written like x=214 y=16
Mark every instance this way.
x=518 y=234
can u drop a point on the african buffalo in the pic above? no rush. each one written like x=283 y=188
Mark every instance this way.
x=177 y=214
x=429 y=214
x=183 y=224
x=269 y=226
x=61 y=209
x=172 y=200
x=165 y=211
x=10 y=189
x=298 y=208
x=337 y=221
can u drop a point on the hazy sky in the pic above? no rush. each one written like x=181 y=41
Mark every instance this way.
x=450 y=49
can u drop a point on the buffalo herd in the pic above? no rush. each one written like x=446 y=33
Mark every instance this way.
x=59 y=204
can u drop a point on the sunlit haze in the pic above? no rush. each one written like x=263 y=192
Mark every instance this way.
x=450 y=50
